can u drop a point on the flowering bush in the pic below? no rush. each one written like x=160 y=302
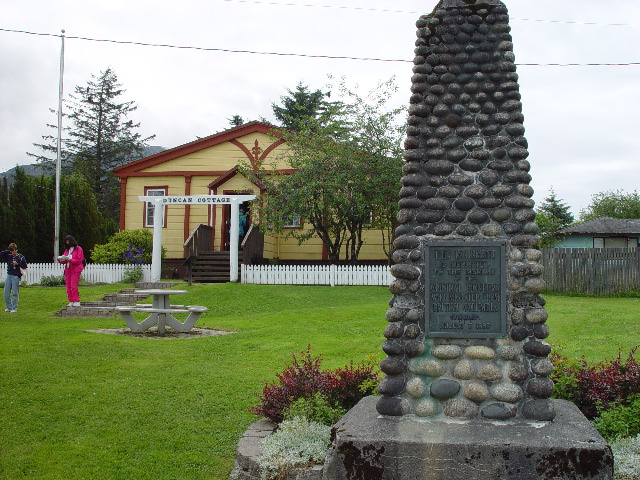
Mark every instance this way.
x=133 y=256
x=303 y=378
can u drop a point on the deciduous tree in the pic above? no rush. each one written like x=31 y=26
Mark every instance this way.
x=615 y=204
x=347 y=164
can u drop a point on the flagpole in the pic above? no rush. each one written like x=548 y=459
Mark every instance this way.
x=56 y=235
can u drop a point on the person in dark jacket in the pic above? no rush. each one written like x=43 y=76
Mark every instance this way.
x=15 y=262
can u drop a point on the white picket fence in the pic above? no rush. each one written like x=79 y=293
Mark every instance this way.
x=316 y=274
x=93 y=272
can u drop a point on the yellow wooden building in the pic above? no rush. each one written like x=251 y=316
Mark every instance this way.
x=209 y=166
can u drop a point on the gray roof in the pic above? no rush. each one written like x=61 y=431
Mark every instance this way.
x=606 y=226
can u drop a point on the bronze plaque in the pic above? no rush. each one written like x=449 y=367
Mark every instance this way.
x=465 y=289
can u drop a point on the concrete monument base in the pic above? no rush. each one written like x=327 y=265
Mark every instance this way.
x=367 y=446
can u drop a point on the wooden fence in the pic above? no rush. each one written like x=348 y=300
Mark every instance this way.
x=316 y=274
x=93 y=272
x=600 y=271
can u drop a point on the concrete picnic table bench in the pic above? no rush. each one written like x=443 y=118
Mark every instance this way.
x=161 y=312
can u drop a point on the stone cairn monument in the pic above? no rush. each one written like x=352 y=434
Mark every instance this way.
x=466 y=392
x=467 y=324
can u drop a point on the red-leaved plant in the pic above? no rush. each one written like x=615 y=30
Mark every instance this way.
x=304 y=377
x=593 y=388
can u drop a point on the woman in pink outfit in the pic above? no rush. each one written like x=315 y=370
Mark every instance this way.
x=73 y=260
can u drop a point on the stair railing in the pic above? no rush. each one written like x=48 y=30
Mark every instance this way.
x=252 y=245
x=198 y=242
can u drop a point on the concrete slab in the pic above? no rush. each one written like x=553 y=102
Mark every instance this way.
x=368 y=446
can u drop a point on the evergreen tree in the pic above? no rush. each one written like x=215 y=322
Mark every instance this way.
x=552 y=216
x=236 y=121
x=101 y=137
x=49 y=146
x=44 y=187
x=22 y=221
x=299 y=106
x=5 y=234
x=80 y=215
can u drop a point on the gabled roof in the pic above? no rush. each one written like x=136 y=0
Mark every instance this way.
x=196 y=145
x=605 y=226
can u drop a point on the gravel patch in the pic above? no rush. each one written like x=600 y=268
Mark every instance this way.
x=169 y=334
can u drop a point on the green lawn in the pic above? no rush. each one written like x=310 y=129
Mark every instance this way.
x=79 y=405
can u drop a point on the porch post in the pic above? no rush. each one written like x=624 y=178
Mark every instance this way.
x=156 y=256
x=234 y=240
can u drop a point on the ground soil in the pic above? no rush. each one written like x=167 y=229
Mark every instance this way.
x=170 y=334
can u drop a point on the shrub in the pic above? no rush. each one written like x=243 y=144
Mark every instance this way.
x=303 y=378
x=315 y=408
x=619 y=421
x=127 y=246
x=52 y=281
x=132 y=274
x=594 y=388
x=298 y=443
x=565 y=376
x=626 y=452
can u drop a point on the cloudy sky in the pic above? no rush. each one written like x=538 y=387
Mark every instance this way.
x=581 y=121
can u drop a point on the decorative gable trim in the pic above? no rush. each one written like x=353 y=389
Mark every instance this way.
x=231 y=135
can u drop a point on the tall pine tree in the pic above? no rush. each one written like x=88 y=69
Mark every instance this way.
x=101 y=137
x=299 y=106
x=552 y=216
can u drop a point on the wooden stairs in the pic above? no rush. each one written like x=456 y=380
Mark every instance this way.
x=212 y=267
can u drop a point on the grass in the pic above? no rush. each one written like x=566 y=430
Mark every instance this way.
x=594 y=327
x=81 y=406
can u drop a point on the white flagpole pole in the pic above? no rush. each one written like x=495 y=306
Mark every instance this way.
x=56 y=235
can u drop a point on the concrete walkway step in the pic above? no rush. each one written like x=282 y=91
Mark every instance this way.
x=107 y=307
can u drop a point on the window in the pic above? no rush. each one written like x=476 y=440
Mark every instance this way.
x=150 y=207
x=292 y=221
x=613 y=242
x=616 y=242
x=368 y=219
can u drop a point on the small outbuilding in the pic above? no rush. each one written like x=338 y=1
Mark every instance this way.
x=603 y=232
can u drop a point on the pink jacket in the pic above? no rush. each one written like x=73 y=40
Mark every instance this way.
x=74 y=264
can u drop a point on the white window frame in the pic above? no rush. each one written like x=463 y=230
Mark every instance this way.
x=294 y=221
x=149 y=207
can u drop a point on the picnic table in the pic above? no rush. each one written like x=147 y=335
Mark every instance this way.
x=161 y=312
